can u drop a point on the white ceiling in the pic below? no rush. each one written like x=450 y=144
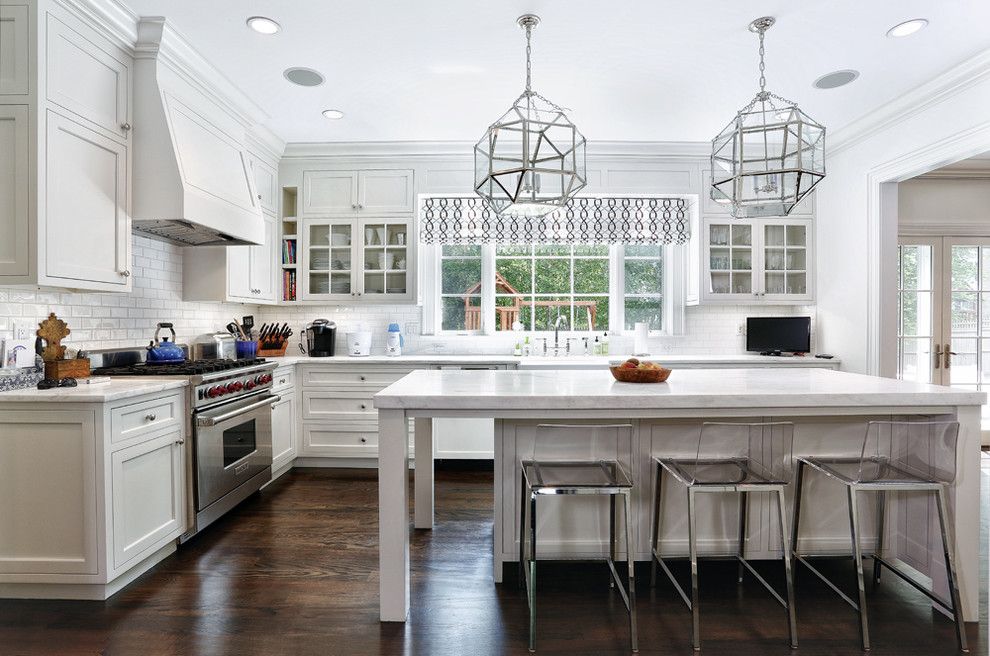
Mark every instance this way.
x=630 y=70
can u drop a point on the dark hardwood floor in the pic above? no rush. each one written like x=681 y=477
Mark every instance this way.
x=294 y=571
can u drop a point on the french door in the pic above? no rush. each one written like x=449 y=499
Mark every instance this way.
x=944 y=311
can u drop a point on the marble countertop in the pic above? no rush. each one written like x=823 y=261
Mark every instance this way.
x=586 y=361
x=115 y=390
x=688 y=388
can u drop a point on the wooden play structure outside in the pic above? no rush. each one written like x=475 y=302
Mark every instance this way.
x=509 y=314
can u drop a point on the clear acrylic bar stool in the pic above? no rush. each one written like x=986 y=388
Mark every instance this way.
x=731 y=457
x=544 y=474
x=896 y=456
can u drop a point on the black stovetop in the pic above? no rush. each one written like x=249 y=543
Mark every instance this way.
x=187 y=368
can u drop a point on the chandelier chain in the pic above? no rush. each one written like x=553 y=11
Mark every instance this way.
x=763 y=65
x=529 y=55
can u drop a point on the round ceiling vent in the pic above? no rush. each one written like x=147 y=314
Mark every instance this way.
x=304 y=77
x=836 y=79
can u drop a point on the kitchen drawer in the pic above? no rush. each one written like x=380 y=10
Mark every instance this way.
x=381 y=377
x=328 y=440
x=133 y=420
x=283 y=378
x=324 y=405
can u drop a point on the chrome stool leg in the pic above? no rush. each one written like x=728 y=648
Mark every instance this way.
x=864 y=628
x=798 y=489
x=611 y=537
x=655 y=535
x=693 y=550
x=881 y=527
x=743 y=507
x=532 y=573
x=631 y=563
x=950 y=567
x=788 y=569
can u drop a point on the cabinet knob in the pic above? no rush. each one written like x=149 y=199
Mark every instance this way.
x=125 y=127
x=364 y=439
x=354 y=206
x=281 y=381
x=363 y=377
x=360 y=207
x=151 y=417
x=125 y=273
x=180 y=441
x=364 y=407
x=259 y=196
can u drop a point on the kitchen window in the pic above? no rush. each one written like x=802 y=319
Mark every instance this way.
x=486 y=289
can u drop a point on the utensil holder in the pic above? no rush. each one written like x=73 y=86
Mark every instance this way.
x=246 y=349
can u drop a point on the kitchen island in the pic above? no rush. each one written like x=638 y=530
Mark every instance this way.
x=830 y=410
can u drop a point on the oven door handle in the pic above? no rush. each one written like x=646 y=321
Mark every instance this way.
x=227 y=416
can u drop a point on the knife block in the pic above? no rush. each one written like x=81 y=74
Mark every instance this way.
x=272 y=349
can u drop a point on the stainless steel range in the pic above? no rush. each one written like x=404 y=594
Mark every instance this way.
x=230 y=426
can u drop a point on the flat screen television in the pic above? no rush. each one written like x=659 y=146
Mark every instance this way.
x=770 y=334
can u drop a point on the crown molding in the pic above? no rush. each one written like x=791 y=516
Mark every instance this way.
x=447 y=150
x=158 y=40
x=942 y=87
x=263 y=141
x=109 y=17
x=956 y=174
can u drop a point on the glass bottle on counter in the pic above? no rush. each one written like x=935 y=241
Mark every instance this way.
x=527 y=348
x=605 y=344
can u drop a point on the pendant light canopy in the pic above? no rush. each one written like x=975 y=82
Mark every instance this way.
x=770 y=156
x=531 y=161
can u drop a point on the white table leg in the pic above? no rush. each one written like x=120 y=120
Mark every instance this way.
x=423 y=502
x=393 y=515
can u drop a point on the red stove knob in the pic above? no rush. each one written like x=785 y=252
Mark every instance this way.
x=250 y=385
x=267 y=378
x=231 y=387
x=238 y=386
x=214 y=392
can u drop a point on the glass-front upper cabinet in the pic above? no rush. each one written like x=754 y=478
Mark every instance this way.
x=757 y=261
x=385 y=258
x=357 y=260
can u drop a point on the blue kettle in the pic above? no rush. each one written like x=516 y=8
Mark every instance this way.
x=164 y=351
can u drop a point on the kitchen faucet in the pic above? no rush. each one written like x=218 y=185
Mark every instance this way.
x=556 y=334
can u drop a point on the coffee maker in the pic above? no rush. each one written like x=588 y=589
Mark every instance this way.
x=321 y=335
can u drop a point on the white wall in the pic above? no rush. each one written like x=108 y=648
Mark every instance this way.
x=116 y=320
x=948 y=122
x=947 y=201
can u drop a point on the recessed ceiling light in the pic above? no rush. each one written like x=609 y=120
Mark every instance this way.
x=263 y=25
x=907 y=28
x=333 y=114
x=304 y=77
x=836 y=79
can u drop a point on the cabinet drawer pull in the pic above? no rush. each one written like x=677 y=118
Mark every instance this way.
x=364 y=439
x=281 y=381
x=151 y=417
x=126 y=273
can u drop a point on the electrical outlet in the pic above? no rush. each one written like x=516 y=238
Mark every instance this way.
x=741 y=329
x=20 y=332
x=412 y=327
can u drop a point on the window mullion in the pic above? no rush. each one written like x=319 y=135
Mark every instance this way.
x=488 y=319
x=616 y=288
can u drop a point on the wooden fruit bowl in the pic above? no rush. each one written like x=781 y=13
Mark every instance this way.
x=624 y=375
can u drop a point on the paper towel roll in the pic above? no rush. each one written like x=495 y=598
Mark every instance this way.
x=640 y=335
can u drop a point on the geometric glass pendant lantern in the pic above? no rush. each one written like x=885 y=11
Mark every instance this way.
x=770 y=156
x=531 y=161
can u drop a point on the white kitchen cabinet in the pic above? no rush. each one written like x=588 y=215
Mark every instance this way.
x=14 y=51
x=284 y=430
x=757 y=261
x=266 y=184
x=148 y=491
x=88 y=77
x=14 y=165
x=369 y=260
x=240 y=274
x=350 y=193
x=87 y=232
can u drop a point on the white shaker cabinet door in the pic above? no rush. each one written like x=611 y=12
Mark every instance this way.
x=87 y=234
x=14 y=50
x=329 y=193
x=385 y=191
x=14 y=257
x=89 y=77
x=148 y=487
x=262 y=259
x=239 y=272
x=283 y=430
x=266 y=184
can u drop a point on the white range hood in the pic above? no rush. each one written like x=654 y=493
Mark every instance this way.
x=193 y=184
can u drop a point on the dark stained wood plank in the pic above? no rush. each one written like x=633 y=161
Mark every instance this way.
x=293 y=571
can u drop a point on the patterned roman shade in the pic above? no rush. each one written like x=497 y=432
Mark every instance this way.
x=585 y=220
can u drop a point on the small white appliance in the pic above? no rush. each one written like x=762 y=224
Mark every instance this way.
x=359 y=343
x=393 y=340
